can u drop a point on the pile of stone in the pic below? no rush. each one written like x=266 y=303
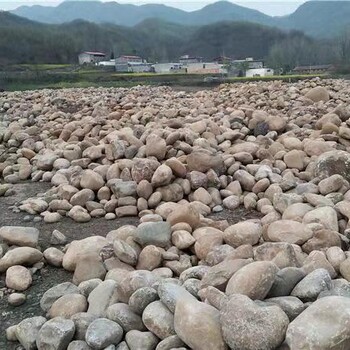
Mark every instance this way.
x=172 y=282
x=180 y=279
x=21 y=258
x=125 y=152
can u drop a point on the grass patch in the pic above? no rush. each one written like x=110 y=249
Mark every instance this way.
x=141 y=75
x=57 y=76
x=40 y=67
x=66 y=85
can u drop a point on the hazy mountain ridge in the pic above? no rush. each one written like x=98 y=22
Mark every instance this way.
x=317 y=18
x=8 y=19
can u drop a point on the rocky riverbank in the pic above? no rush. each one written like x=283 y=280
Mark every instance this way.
x=180 y=278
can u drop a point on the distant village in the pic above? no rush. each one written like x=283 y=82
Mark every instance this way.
x=186 y=64
x=248 y=67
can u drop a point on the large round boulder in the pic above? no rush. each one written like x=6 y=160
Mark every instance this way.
x=323 y=325
x=333 y=162
x=317 y=94
x=246 y=325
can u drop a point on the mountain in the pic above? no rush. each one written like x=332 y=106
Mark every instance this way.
x=23 y=41
x=316 y=18
x=319 y=18
x=8 y=19
x=130 y=15
x=227 y=11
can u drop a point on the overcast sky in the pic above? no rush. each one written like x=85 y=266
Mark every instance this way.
x=270 y=7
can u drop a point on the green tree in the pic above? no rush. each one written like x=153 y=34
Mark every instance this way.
x=242 y=68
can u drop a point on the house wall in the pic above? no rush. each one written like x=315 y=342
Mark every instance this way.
x=204 y=68
x=140 y=68
x=190 y=68
x=84 y=58
x=129 y=67
x=124 y=59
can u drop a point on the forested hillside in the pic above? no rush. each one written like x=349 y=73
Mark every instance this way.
x=23 y=41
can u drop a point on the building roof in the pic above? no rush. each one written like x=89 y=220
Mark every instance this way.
x=265 y=69
x=248 y=60
x=321 y=66
x=94 y=53
x=139 y=64
x=130 y=57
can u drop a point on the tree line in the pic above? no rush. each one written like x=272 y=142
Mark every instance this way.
x=305 y=51
x=23 y=41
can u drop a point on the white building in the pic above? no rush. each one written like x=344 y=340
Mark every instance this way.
x=133 y=67
x=259 y=72
x=190 y=68
x=90 y=57
x=110 y=63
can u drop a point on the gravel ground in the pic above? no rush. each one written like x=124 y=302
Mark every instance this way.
x=50 y=276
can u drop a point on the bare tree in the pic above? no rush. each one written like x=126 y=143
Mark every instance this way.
x=299 y=51
x=344 y=46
